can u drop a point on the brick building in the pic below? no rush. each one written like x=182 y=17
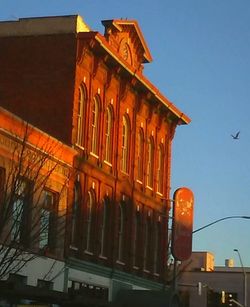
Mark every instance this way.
x=88 y=91
x=35 y=170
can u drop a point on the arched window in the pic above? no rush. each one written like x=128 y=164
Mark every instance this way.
x=157 y=247
x=125 y=143
x=82 y=97
x=136 y=241
x=108 y=134
x=140 y=155
x=121 y=221
x=75 y=215
x=89 y=221
x=147 y=242
x=95 y=125
x=160 y=169
x=104 y=227
x=150 y=162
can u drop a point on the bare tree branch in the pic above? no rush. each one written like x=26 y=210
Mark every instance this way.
x=31 y=218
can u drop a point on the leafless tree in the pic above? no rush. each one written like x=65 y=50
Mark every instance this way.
x=32 y=219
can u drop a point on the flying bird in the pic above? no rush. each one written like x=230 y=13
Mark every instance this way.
x=236 y=136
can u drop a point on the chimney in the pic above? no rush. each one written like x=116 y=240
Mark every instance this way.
x=229 y=263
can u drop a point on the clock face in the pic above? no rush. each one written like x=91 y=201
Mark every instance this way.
x=125 y=51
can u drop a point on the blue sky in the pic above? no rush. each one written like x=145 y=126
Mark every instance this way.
x=201 y=52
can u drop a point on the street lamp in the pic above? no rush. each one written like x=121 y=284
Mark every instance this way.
x=222 y=219
x=245 y=277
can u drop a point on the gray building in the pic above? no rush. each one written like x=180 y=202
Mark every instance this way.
x=201 y=284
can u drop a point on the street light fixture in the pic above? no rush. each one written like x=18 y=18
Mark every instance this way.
x=222 y=219
x=245 y=277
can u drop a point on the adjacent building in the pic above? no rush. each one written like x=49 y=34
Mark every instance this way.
x=88 y=91
x=35 y=174
x=202 y=284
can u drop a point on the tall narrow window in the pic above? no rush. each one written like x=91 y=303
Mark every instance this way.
x=2 y=188
x=20 y=211
x=147 y=243
x=80 y=115
x=121 y=232
x=89 y=221
x=48 y=219
x=95 y=125
x=108 y=134
x=160 y=169
x=157 y=247
x=150 y=162
x=75 y=215
x=140 y=154
x=104 y=227
x=125 y=143
x=136 y=241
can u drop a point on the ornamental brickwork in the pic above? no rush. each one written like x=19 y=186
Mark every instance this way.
x=88 y=91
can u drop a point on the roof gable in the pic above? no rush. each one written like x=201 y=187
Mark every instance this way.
x=126 y=38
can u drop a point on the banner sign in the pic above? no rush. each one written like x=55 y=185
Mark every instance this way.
x=182 y=226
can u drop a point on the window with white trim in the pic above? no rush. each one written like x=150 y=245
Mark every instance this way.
x=80 y=115
x=150 y=162
x=160 y=169
x=108 y=134
x=140 y=155
x=125 y=143
x=95 y=125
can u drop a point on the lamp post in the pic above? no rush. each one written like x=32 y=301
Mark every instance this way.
x=245 y=277
x=236 y=250
x=222 y=219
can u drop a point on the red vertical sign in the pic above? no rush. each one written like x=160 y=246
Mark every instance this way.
x=182 y=226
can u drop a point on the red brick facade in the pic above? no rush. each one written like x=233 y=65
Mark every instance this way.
x=89 y=91
x=37 y=80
